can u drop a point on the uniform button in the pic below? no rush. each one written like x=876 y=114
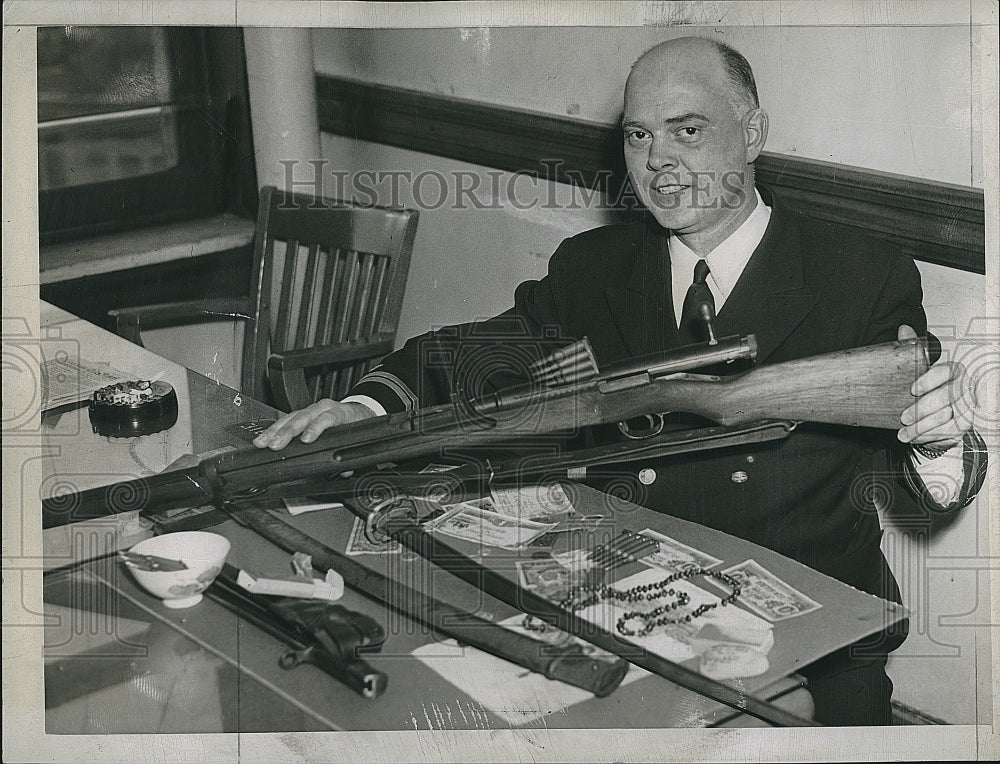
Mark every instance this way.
x=647 y=476
x=750 y=459
x=739 y=477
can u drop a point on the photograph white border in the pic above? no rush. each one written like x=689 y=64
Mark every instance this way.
x=23 y=697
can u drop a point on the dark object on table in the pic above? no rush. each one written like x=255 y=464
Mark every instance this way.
x=151 y=562
x=130 y=409
x=187 y=519
x=328 y=636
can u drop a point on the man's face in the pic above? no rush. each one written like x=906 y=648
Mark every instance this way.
x=686 y=151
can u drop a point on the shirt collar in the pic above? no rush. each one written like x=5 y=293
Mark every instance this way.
x=730 y=257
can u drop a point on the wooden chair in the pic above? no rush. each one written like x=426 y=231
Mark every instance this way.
x=329 y=283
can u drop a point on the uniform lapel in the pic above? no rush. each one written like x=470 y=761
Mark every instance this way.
x=770 y=299
x=641 y=307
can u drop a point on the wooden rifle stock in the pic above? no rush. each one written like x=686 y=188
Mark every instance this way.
x=860 y=387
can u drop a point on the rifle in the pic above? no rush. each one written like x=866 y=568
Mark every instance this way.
x=861 y=387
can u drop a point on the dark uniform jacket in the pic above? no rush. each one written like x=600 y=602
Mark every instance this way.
x=810 y=287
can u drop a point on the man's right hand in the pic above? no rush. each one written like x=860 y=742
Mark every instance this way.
x=309 y=422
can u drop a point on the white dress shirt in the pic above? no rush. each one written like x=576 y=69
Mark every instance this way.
x=726 y=262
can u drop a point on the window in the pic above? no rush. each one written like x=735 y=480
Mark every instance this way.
x=139 y=126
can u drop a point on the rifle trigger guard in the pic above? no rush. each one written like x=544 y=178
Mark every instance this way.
x=655 y=427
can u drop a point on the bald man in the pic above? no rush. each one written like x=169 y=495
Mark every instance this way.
x=692 y=130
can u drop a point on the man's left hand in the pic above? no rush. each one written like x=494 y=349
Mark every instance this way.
x=943 y=411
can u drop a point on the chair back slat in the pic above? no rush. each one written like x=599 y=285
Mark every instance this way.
x=289 y=298
x=311 y=293
x=328 y=279
x=356 y=321
x=348 y=296
x=375 y=302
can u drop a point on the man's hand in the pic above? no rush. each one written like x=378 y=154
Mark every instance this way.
x=943 y=411
x=309 y=422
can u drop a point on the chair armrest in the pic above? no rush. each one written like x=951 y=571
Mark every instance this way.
x=129 y=322
x=324 y=355
x=285 y=370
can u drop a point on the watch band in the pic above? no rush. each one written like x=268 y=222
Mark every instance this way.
x=931 y=452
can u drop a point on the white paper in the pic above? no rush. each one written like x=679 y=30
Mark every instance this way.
x=671 y=641
x=306 y=504
x=71 y=379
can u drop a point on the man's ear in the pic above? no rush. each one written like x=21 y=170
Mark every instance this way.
x=755 y=130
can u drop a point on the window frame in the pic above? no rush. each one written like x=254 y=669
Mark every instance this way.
x=215 y=171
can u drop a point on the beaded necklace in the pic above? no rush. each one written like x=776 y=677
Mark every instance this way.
x=637 y=623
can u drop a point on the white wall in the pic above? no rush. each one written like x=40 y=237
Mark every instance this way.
x=901 y=99
x=888 y=98
x=466 y=262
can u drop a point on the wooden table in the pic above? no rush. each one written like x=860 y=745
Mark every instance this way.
x=117 y=660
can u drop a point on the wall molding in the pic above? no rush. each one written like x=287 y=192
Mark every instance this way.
x=934 y=222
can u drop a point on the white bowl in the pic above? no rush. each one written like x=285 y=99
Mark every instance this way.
x=202 y=553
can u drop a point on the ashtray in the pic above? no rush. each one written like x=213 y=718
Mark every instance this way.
x=133 y=408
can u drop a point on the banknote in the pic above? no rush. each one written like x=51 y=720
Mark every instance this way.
x=465 y=521
x=358 y=542
x=766 y=594
x=574 y=560
x=675 y=557
x=484 y=503
x=543 y=572
x=536 y=502
x=546 y=577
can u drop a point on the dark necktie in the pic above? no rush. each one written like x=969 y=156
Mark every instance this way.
x=692 y=327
